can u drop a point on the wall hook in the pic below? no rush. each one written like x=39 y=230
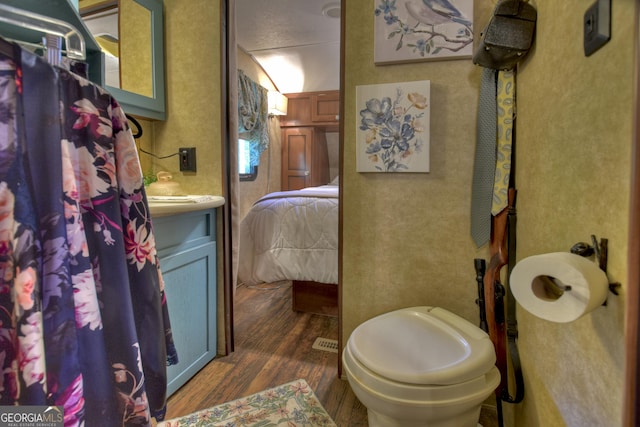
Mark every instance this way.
x=600 y=250
x=133 y=121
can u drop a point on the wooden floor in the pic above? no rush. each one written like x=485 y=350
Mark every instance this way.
x=273 y=346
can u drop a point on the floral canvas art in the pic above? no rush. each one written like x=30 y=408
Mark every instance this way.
x=393 y=127
x=417 y=30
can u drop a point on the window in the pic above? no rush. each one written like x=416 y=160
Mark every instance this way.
x=246 y=171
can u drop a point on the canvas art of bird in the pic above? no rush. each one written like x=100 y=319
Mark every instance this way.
x=436 y=12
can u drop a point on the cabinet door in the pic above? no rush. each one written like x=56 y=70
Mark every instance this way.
x=190 y=278
x=186 y=245
x=305 y=160
x=296 y=158
x=325 y=107
x=298 y=110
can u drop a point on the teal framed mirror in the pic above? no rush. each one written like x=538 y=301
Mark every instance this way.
x=131 y=33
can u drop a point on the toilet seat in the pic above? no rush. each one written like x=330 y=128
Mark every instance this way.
x=416 y=394
x=422 y=346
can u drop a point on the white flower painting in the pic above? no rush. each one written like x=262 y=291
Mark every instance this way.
x=418 y=30
x=393 y=127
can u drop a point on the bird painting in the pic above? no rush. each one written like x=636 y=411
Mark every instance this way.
x=436 y=12
x=422 y=29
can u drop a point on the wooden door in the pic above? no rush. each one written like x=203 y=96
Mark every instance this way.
x=296 y=158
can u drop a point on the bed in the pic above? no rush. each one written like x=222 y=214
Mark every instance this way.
x=293 y=235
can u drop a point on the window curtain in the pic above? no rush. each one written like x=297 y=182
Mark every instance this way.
x=253 y=116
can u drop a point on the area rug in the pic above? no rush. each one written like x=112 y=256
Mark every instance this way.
x=292 y=404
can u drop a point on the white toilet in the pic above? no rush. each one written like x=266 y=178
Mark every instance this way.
x=419 y=367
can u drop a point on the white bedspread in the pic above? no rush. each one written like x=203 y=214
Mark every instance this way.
x=291 y=235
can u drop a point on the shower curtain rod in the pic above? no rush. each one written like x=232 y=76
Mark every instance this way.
x=75 y=44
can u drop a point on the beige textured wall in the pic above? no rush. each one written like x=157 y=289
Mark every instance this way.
x=574 y=171
x=193 y=89
x=252 y=69
x=194 y=108
x=406 y=237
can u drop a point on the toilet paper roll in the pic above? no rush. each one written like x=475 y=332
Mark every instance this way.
x=559 y=287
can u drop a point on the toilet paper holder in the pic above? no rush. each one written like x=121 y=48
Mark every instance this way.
x=600 y=250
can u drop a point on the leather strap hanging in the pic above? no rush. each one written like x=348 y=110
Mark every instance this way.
x=512 y=323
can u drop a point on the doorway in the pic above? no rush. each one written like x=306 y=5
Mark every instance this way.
x=302 y=51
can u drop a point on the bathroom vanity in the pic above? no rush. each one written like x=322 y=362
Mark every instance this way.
x=185 y=236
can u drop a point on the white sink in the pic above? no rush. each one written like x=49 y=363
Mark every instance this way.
x=163 y=206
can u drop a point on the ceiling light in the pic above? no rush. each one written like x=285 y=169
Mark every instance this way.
x=332 y=10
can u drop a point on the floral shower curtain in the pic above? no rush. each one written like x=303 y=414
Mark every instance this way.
x=84 y=323
x=253 y=116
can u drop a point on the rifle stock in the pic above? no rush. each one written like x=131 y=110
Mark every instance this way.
x=494 y=293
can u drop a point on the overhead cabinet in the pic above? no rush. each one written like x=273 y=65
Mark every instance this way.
x=313 y=109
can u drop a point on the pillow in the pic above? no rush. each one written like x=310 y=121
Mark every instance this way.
x=335 y=181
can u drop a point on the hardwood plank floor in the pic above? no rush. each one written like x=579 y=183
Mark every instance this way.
x=273 y=346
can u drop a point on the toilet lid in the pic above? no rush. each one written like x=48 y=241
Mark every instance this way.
x=423 y=345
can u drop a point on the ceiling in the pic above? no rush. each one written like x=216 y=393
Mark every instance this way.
x=293 y=40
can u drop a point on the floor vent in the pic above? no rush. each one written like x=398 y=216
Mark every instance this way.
x=326 y=344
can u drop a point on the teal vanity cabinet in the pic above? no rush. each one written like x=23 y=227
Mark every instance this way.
x=186 y=245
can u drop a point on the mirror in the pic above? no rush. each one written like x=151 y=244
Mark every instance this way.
x=130 y=35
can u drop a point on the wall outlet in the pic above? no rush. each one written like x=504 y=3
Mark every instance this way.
x=597 y=26
x=187 y=159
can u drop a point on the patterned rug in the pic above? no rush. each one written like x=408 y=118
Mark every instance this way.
x=292 y=404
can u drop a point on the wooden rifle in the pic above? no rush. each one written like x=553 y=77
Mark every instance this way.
x=499 y=328
x=494 y=293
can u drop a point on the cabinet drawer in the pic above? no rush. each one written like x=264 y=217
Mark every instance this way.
x=185 y=230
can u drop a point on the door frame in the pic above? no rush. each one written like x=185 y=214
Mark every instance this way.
x=227 y=10
x=631 y=404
